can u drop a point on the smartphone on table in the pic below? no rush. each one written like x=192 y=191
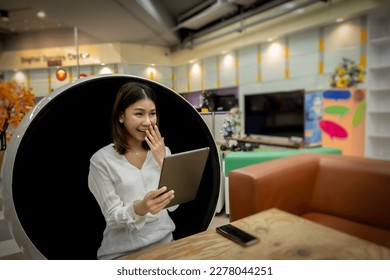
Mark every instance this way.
x=237 y=235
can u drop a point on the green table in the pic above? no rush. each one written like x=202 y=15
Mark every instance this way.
x=235 y=160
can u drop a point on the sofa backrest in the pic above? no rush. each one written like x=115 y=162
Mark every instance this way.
x=284 y=183
x=355 y=188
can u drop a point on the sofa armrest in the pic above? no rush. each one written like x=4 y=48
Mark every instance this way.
x=284 y=183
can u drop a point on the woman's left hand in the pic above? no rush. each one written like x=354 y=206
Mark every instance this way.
x=156 y=143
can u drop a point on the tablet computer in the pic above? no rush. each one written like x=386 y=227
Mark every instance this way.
x=182 y=172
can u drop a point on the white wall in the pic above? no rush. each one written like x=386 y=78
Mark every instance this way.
x=210 y=76
x=254 y=68
x=262 y=67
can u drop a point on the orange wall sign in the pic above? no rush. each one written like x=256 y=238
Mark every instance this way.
x=61 y=74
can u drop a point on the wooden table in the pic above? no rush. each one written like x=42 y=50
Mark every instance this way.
x=283 y=236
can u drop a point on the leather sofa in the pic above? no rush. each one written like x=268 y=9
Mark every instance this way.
x=235 y=160
x=347 y=193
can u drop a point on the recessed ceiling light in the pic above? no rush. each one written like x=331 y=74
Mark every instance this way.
x=339 y=20
x=41 y=14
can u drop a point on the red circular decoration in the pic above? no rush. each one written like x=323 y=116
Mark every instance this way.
x=61 y=74
x=359 y=95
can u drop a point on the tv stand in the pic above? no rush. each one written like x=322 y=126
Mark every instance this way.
x=269 y=142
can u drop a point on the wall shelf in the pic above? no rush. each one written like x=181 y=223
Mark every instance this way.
x=378 y=81
x=379 y=135
x=378 y=112
x=380 y=67
x=379 y=41
x=380 y=90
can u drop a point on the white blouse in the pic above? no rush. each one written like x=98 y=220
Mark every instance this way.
x=116 y=185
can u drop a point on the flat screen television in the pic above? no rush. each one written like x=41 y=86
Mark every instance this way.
x=280 y=114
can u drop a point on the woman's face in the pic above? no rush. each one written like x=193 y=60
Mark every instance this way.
x=138 y=117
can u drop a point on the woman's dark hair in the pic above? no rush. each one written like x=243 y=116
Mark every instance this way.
x=128 y=94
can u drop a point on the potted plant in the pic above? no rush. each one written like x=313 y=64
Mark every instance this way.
x=207 y=101
x=347 y=74
x=231 y=125
x=15 y=101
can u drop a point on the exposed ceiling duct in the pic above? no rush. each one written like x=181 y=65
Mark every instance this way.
x=261 y=8
x=248 y=8
x=200 y=16
x=215 y=11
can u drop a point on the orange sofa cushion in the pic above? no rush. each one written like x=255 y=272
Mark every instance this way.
x=374 y=234
x=356 y=189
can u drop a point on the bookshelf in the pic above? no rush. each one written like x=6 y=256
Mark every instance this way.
x=378 y=81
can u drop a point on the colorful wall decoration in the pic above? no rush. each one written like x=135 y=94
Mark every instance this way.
x=313 y=114
x=343 y=122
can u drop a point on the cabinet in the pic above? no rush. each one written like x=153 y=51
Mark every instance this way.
x=378 y=84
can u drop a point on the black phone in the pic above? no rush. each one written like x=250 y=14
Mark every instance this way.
x=237 y=235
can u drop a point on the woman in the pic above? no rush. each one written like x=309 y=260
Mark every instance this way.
x=124 y=176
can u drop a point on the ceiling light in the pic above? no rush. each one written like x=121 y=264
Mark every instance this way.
x=289 y=5
x=339 y=20
x=41 y=14
x=4 y=15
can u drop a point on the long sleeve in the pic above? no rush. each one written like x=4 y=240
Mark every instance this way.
x=117 y=213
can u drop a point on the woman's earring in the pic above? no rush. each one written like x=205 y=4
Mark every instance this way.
x=120 y=120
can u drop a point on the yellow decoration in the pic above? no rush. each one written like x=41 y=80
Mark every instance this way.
x=341 y=72
x=342 y=83
x=347 y=74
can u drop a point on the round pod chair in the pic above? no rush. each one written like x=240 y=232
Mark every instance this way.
x=50 y=210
